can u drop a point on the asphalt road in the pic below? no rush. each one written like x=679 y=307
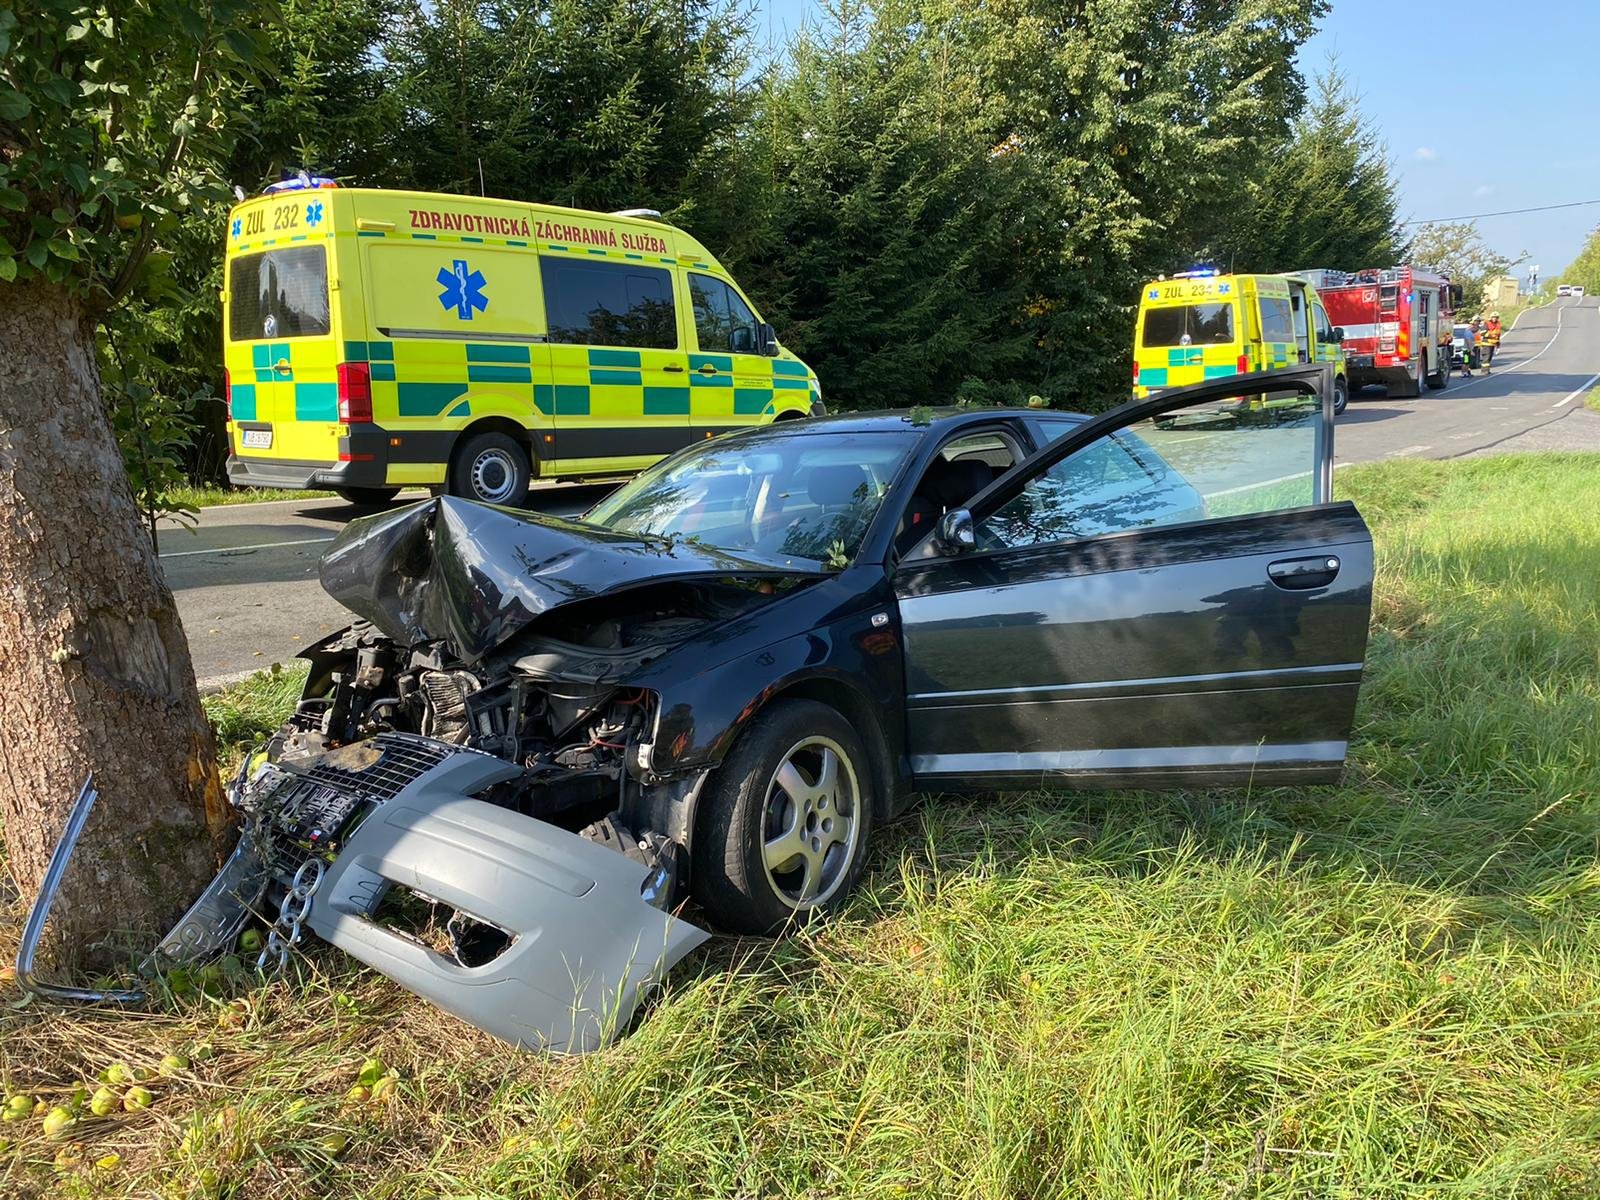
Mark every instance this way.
x=246 y=581
x=1532 y=401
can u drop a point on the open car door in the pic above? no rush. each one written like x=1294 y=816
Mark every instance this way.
x=1166 y=595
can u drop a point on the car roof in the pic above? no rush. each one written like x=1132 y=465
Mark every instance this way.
x=931 y=420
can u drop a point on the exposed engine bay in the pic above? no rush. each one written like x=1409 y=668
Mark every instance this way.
x=463 y=797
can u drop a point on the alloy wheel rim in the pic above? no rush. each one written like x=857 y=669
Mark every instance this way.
x=810 y=823
x=493 y=476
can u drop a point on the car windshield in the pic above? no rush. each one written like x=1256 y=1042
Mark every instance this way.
x=807 y=495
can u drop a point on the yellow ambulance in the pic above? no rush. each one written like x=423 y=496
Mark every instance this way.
x=377 y=339
x=1203 y=325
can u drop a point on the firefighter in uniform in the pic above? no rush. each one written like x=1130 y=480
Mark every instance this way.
x=1491 y=337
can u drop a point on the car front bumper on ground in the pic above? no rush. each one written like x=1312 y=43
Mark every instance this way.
x=552 y=940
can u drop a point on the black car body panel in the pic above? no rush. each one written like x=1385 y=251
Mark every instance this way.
x=1158 y=656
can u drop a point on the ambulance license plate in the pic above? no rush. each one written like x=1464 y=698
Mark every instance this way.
x=258 y=439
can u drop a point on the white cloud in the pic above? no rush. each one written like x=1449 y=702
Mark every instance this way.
x=1483 y=189
x=1427 y=153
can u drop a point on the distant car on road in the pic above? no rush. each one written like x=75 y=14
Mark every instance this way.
x=1564 y=289
x=1577 y=289
x=1464 y=347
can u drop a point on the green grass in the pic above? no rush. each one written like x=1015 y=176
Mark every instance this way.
x=1592 y=400
x=203 y=495
x=245 y=714
x=1386 y=989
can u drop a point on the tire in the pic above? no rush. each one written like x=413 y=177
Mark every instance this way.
x=1443 y=377
x=491 y=468
x=746 y=809
x=367 y=497
x=1341 y=397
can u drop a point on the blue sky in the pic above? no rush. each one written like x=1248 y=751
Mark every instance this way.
x=1485 y=106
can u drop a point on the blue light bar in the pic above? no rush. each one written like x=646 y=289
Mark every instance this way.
x=1197 y=273
x=300 y=182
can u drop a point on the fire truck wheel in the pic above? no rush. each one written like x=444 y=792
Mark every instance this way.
x=1341 y=396
x=1440 y=379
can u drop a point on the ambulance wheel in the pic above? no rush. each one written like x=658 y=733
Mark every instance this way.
x=367 y=497
x=491 y=468
x=1341 y=397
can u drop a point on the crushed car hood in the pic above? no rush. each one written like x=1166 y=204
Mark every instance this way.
x=474 y=575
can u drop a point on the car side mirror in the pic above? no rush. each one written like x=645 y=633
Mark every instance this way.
x=955 y=533
x=768 y=337
x=1338 y=333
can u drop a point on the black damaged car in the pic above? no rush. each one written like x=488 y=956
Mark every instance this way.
x=724 y=678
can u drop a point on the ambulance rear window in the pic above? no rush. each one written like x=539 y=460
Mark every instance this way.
x=1189 y=324
x=279 y=294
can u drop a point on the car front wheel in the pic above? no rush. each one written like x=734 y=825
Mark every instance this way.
x=1341 y=396
x=782 y=830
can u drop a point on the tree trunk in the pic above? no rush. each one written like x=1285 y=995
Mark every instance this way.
x=94 y=666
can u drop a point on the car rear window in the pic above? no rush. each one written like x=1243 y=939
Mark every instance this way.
x=279 y=294
x=1189 y=324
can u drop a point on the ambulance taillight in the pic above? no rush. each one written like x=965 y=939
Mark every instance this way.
x=227 y=391
x=1135 y=372
x=1244 y=364
x=355 y=393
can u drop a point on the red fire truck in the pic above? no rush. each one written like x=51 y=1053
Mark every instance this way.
x=1397 y=324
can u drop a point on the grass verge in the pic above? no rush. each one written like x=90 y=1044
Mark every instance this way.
x=209 y=495
x=1386 y=989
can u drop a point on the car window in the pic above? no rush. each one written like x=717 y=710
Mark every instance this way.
x=1324 y=329
x=278 y=294
x=991 y=449
x=1277 y=319
x=1188 y=324
x=609 y=304
x=1223 y=458
x=1049 y=427
x=723 y=322
x=773 y=494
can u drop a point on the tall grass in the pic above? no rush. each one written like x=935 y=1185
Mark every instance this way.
x=1385 y=989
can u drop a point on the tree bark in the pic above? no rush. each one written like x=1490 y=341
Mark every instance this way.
x=94 y=666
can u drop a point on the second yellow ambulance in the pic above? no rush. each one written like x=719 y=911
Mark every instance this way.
x=1202 y=325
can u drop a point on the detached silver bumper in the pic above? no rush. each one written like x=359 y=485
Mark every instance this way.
x=583 y=941
x=577 y=941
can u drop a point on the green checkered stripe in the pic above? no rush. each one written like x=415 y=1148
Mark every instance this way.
x=479 y=364
x=312 y=401
x=510 y=367
x=1191 y=364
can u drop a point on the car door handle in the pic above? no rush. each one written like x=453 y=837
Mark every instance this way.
x=281 y=366
x=708 y=369
x=675 y=368
x=1314 y=572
